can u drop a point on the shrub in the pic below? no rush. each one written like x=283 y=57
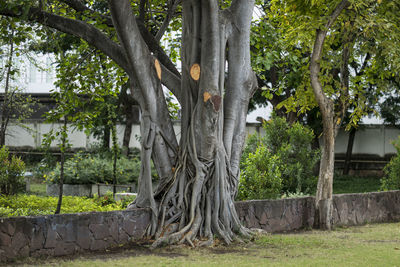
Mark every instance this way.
x=391 y=180
x=261 y=178
x=288 y=147
x=91 y=169
x=11 y=173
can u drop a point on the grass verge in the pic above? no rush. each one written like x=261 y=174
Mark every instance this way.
x=353 y=184
x=369 y=245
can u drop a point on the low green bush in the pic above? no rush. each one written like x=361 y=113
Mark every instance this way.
x=95 y=168
x=12 y=171
x=31 y=205
x=279 y=163
x=391 y=180
x=261 y=177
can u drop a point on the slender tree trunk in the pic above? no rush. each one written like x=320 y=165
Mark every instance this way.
x=127 y=132
x=349 y=151
x=61 y=182
x=115 y=155
x=5 y=114
x=325 y=180
x=106 y=137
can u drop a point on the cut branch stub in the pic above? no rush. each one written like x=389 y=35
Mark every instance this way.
x=206 y=96
x=195 y=71
x=158 y=68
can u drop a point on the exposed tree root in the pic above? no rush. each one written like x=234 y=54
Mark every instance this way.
x=197 y=203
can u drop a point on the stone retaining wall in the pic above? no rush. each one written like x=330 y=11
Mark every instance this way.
x=66 y=234
x=298 y=213
x=277 y=215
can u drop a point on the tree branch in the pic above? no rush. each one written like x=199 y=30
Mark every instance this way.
x=75 y=27
x=173 y=4
x=99 y=40
x=322 y=100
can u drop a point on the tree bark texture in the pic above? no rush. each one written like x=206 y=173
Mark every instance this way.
x=194 y=200
x=330 y=123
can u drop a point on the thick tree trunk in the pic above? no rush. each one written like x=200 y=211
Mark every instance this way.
x=195 y=200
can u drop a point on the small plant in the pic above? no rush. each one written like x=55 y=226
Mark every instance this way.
x=391 y=181
x=284 y=152
x=105 y=200
x=11 y=173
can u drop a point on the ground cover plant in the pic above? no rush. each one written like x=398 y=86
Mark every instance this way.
x=369 y=245
x=32 y=205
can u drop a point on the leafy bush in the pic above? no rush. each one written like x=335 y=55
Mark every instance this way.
x=284 y=152
x=261 y=178
x=391 y=181
x=11 y=173
x=31 y=205
x=91 y=169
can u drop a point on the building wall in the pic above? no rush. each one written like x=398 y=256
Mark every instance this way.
x=370 y=139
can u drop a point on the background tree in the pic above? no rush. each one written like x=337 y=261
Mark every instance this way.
x=338 y=40
x=15 y=105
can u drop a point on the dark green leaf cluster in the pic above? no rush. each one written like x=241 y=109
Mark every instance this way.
x=281 y=162
x=391 y=181
x=12 y=170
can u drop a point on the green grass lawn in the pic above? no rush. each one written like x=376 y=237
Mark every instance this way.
x=38 y=189
x=369 y=245
x=354 y=184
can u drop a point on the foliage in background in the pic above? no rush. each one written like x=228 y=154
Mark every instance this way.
x=282 y=163
x=97 y=168
x=15 y=106
x=31 y=205
x=391 y=181
x=11 y=173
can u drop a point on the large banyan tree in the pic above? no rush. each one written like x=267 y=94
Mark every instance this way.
x=198 y=173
